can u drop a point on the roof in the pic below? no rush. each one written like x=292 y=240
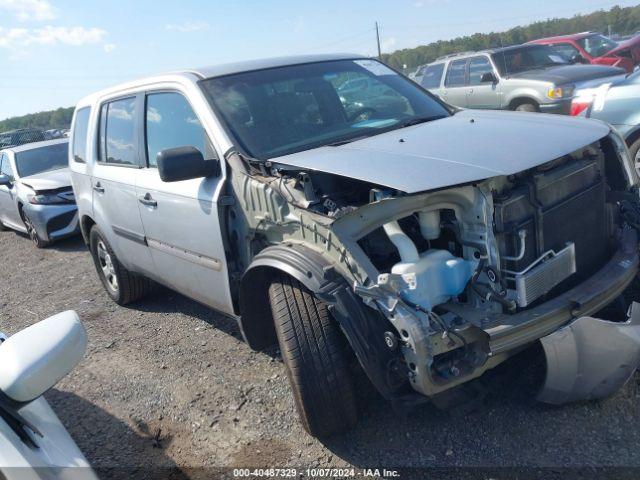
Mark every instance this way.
x=574 y=36
x=219 y=71
x=250 y=65
x=487 y=51
x=34 y=145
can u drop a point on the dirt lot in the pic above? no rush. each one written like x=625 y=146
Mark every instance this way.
x=168 y=382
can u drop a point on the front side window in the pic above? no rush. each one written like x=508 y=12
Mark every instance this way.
x=42 y=159
x=81 y=127
x=525 y=58
x=456 y=74
x=278 y=111
x=170 y=123
x=432 y=75
x=597 y=45
x=478 y=66
x=117 y=136
x=567 y=50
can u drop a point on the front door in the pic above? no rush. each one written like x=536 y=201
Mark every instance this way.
x=455 y=84
x=482 y=94
x=180 y=219
x=115 y=203
x=8 y=208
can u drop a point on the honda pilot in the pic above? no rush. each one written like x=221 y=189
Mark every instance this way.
x=385 y=229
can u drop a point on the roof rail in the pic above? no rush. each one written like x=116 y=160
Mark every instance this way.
x=457 y=54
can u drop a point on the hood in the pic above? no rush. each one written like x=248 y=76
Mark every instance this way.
x=569 y=73
x=631 y=44
x=469 y=146
x=51 y=180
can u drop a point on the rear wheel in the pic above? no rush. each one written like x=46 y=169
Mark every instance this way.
x=634 y=150
x=122 y=286
x=526 y=107
x=32 y=232
x=316 y=355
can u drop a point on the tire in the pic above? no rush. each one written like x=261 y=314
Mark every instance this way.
x=316 y=356
x=37 y=240
x=526 y=107
x=121 y=285
x=3 y=228
x=634 y=151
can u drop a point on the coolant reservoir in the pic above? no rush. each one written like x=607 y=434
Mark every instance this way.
x=439 y=276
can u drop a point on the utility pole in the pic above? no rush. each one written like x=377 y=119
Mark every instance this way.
x=378 y=40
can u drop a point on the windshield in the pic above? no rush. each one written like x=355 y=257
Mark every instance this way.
x=43 y=159
x=530 y=57
x=597 y=45
x=278 y=111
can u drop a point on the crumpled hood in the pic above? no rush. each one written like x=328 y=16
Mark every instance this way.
x=469 y=146
x=51 y=180
x=630 y=44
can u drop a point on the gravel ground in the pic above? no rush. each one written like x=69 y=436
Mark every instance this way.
x=169 y=383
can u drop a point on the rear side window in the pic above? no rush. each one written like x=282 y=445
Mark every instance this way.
x=432 y=75
x=170 y=123
x=118 y=144
x=456 y=74
x=80 y=129
x=567 y=50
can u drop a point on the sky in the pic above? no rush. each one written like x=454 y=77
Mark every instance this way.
x=54 y=52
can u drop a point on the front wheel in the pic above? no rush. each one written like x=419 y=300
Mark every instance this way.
x=316 y=356
x=526 y=107
x=122 y=285
x=634 y=151
x=37 y=240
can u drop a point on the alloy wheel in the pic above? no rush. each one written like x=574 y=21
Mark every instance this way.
x=31 y=230
x=106 y=265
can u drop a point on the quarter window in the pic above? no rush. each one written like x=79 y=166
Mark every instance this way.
x=478 y=66
x=81 y=125
x=117 y=136
x=171 y=123
x=432 y=75
x=456 y=74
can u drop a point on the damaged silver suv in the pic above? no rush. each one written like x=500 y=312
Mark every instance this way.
x=336 y=208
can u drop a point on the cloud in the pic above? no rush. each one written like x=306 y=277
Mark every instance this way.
x=388 y=43
x=23 y=38
x=418 y=4
x=187 y=26
x=25 y=10
x=109 y=47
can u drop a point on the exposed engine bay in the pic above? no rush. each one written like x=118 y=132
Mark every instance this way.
x=465 y=275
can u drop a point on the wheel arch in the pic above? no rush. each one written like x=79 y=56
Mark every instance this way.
x=522 y=99
x=86 y=222
x=363 y=327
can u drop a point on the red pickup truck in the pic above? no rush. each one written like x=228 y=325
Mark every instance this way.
x=591 y=47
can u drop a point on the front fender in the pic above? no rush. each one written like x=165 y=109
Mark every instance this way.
x=362 y=326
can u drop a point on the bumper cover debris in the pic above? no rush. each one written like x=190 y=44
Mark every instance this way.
x=590 y=358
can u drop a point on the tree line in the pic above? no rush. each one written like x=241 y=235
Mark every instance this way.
x=59 y=118
x=622 y=21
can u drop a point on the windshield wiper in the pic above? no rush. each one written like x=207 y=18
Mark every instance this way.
x=418 y=120
x=344 y=141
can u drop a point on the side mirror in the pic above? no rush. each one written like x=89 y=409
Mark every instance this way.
x=185 y=163
x=488 y=77
x=577 y=58
x=4 y=180
x=35 y=359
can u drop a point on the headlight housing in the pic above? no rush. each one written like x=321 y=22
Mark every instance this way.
x=564 y=91
x=46 y=199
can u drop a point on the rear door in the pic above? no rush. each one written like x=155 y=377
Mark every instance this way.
x=455 y=83
x=115 y=203
x=180 y=219
x=479 y=94
x=8 y=207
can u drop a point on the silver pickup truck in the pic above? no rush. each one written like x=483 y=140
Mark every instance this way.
x=382 y=228
x=529 y=78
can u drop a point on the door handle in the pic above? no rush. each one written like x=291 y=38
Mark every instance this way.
x=470 y=90
x=147 y=200
x=98 y=188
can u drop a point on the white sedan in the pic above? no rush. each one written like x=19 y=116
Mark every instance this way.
x=33 y=442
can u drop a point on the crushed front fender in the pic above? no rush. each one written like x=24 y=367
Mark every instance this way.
x=590 y=358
